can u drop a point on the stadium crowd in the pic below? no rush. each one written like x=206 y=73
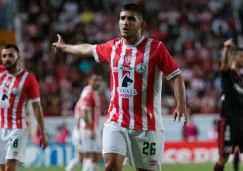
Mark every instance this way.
x=193 y=31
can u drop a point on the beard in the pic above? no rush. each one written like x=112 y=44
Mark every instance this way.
x=9 y=66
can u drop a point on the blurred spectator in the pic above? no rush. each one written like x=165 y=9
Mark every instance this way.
x=213 y=131
x=62 y=134
x=190 y=131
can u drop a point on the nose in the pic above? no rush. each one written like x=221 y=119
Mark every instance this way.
x=126 y=22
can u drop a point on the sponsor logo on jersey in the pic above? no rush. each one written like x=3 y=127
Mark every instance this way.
x=124 y=91
x=115 y=69
x=4 y=102
x=238 y=88
x=141 y=68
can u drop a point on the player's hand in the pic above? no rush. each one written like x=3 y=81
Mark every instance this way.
x=59 y=44
x=43 y=141
x=229 y=43
x=92 y=134
x=179 y=112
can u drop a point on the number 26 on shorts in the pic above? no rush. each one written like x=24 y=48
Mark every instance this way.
x=149 y=148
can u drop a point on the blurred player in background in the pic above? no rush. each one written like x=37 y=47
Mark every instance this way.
x=134 y=127
x=76 y=140
x=231 y=116
x=90 y=133
x=17 y=87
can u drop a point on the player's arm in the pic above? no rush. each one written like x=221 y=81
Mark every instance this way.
x=82 y=50
x=34 y=98
x=180 y=96
x=86 y=113
x=225 y=56
x=40 y=120
x=78 y=122
x=86 y=117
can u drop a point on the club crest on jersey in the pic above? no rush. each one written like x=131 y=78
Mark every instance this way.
x=141 y=68
x=128 y=59
x=15 y=91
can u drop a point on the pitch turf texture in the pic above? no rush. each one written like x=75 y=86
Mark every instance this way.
x=165 y=167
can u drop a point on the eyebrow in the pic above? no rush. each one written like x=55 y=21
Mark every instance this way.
x=5 y=54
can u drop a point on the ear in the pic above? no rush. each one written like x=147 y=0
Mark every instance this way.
x=142 y=25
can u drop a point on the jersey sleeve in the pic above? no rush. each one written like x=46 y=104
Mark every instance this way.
x=77 y=111
x=102 y=52
x=33 y=89
x=2 y=69
x=166 y=62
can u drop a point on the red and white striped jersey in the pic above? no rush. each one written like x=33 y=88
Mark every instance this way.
x=2 y=69
x=15 y=92
x=136 y=81
x=78 y=109
x=89 y=100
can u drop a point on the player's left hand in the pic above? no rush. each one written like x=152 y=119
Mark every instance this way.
x=59 y=44
x=180 y=112
x=92 y=134
x=43 y=141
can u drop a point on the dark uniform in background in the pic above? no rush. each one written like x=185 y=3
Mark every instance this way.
x=231 y=117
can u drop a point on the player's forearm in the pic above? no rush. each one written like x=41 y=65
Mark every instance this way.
x=39 y=116
x=225 y=58
x=78 y=122
x=82 y=50
x=180 y=93
x=86 y=117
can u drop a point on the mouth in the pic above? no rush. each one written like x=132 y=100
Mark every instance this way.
x=125 y=30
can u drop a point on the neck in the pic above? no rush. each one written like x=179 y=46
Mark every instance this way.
x=235 y=67
x=14 y=70
x=133 y=40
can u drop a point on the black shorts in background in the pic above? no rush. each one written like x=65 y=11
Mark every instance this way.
x=228 y=136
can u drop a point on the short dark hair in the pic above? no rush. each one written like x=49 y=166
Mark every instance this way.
x=134 y=7
x=8 y=46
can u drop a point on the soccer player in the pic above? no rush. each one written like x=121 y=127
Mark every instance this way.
x=231 y=116
x=91 y=134
x=17 y=87
x=134 y=127
x=76 y=140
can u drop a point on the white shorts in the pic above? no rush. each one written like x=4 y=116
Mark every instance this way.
x=12 y=144
x=76 y=140
x=91 y=145
x=143 y=149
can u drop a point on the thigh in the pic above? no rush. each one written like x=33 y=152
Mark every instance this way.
x=226 y=137
x=146 y=149
x=2 y=167
x=114 y=140
x=11 y=164
x=239 y=141
x=91 y=145
x=16 y=142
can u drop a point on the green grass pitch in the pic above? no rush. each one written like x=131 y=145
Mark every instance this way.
x=165 y=167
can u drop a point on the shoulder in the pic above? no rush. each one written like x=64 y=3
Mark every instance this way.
x=29 y=76
x=156 y=44
x=87 y=91
x=2 y=69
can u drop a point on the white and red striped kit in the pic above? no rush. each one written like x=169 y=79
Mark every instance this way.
x=136 y=81
x=89 y=100
x=15 y=92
